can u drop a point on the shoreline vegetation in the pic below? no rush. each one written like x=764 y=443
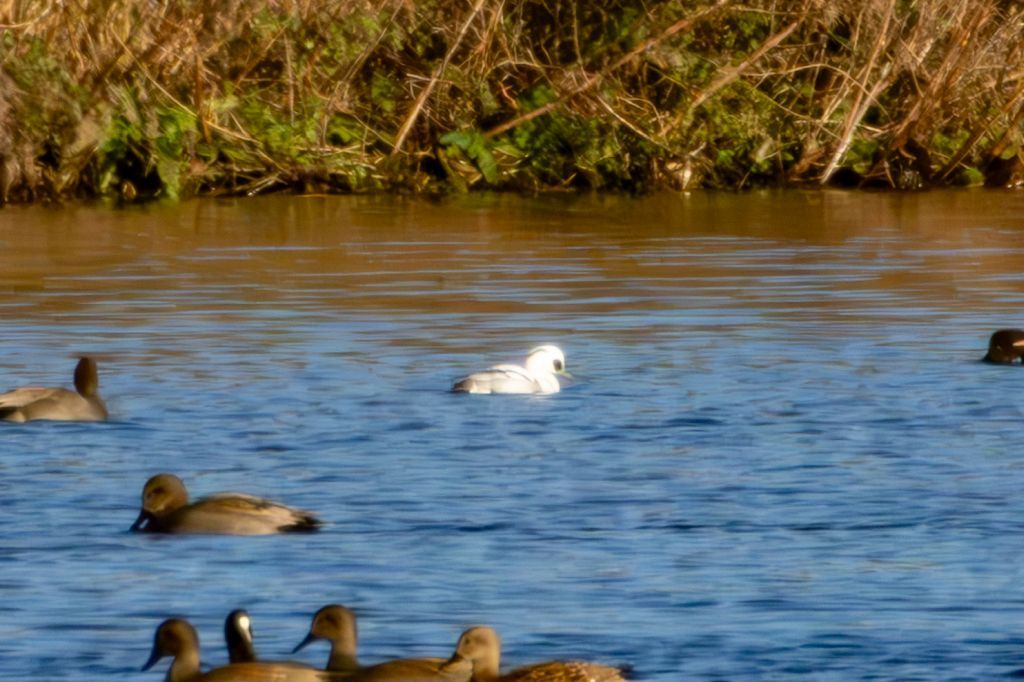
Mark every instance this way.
x=144 y=99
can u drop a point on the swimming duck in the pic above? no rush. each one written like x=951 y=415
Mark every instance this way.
x=177 y=638
x=59 y=404
x=482 y=646
x=166 y=509
x=538 y=375
x=238 y=636
x=337 y=624
x=1006 y=346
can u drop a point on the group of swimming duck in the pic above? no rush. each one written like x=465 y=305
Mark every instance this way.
x=166 y=509
x=477 y=657
x=539 y=374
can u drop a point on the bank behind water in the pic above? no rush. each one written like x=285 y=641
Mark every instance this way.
x=137 y=100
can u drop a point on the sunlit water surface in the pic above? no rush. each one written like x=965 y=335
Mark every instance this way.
x=780 y=459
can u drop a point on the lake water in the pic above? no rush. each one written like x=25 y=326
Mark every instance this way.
x=780 y=458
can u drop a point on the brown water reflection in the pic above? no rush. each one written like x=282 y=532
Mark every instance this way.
x=402 y=253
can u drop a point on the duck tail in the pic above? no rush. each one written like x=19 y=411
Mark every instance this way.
x=305 y=523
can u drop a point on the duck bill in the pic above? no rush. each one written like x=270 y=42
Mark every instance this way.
x=153 y=658
x=301 y=645
x=143 y=517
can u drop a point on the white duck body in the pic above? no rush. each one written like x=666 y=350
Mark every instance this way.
x=538 y=375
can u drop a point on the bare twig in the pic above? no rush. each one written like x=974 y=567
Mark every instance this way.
x=730 y=74
x=34 y=20
x=863 y=100
x=596 y=78
x=607 y=107
x=290 y=73
x=417 y=106
x=981 y=130
x=946 y=75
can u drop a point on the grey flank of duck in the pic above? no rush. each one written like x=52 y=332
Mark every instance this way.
x=166 y=509
x=1006 y=346
x=337 y=625
x=178 y=639
x=482 y=646
x=238 y=636
x=539 y=374
x=58 y=404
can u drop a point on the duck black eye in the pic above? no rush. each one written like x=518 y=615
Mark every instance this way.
x=558 y=365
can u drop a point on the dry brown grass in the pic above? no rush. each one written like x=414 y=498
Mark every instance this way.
x=143 y=98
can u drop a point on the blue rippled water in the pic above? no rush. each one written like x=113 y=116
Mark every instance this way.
x=780 y=459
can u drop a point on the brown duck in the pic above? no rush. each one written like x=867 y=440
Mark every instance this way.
x=178 y=639
x=1006 y=347
x=166 y=509
x=59 y=404
x=337 y=624
x=482 y=646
